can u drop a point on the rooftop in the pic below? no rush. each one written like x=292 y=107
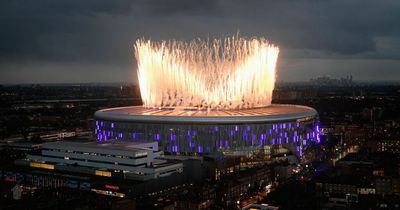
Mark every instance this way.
x=275 y=112
x=120 y=146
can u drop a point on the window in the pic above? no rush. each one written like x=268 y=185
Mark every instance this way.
x=42 y=165
x=103 y=173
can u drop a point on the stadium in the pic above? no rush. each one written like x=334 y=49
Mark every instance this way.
x=207 y=97
x=196 y=132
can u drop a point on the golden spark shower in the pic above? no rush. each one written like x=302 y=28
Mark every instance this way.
x=229 y=73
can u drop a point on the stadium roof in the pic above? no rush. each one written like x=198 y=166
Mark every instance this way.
x=273 y=113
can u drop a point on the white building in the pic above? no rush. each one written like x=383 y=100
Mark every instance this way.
x=139 y=161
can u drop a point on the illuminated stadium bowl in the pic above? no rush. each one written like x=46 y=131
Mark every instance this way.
x=193 y=132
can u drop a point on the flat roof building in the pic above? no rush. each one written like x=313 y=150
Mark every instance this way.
x=137 y=161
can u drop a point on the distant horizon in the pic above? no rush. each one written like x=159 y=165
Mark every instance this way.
x=132 y=83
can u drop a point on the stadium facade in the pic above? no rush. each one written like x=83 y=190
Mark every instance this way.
x=196 y=132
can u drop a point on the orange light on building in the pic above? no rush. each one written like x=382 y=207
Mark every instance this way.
x=103 y=173
x=42 y=165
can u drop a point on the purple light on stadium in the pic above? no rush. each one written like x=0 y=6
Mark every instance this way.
x=207 y=149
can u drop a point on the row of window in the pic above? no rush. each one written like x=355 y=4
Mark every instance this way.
x=138 y=155
x=95 y=161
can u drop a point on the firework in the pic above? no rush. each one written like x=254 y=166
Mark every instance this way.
x=230 y=73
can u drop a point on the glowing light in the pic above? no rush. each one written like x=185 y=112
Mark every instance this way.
x=232 y=73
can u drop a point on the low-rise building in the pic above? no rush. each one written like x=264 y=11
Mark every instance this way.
x=389 y=145
x=138 y=161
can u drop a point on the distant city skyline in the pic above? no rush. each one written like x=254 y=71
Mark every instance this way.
x=80 y=42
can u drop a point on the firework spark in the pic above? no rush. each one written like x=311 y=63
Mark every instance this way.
x=233 y=73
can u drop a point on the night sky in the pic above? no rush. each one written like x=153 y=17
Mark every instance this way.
x=62 y=41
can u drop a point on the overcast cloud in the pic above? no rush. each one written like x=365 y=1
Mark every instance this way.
x=91 y=41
